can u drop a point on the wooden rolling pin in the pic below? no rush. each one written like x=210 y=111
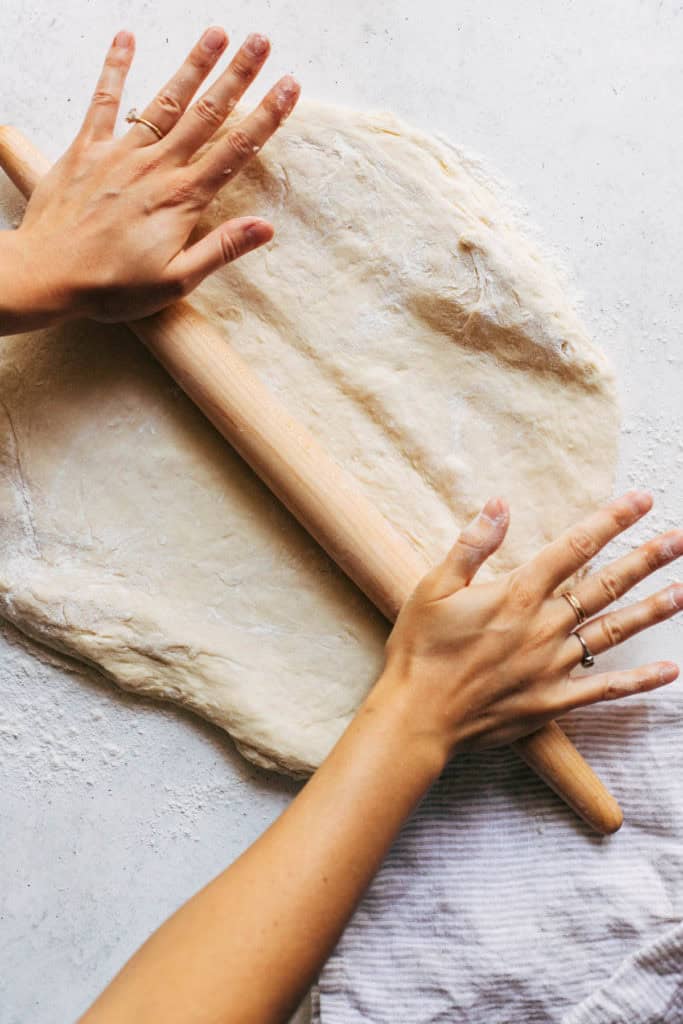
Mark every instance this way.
x=324 y=498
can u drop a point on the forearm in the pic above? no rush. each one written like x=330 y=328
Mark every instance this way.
x=247 y=947
x=28 y=300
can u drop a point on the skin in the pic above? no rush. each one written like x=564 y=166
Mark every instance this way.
x=468 y=665
x=104 y=232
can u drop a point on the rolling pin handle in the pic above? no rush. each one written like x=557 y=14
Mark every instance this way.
x=324 y=498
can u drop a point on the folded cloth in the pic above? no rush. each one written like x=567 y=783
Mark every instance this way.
x=497 y=906
x=646 y=989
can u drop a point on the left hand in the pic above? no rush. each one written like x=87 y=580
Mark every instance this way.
x=104 y=232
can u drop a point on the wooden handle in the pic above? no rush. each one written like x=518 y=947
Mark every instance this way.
x=324 y=498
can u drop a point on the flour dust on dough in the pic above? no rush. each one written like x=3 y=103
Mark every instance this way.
x=403 y=318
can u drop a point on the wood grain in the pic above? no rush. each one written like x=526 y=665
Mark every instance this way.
x=323 y=497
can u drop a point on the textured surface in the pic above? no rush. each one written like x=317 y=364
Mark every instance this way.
x=647 y=988
x=406 y=322
x=577 y=105
x=494 y=907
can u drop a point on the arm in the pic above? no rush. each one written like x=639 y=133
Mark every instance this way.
x=247 y=947
x=28 y=299
x=104 y=234
x=468 y=666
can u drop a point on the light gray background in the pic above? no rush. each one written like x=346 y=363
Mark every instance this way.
x=114 y=810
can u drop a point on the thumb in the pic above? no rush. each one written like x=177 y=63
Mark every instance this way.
x=224 y=244
x=476 y=543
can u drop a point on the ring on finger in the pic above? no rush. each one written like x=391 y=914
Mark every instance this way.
x=576 y=606
x=132 y=118
x=587 y=658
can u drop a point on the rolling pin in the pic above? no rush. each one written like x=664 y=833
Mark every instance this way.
x=323 y=497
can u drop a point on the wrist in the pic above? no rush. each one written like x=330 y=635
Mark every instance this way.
x=31 y=296
x=392 y=701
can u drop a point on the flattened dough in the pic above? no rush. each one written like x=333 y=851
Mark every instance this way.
x=400 y=314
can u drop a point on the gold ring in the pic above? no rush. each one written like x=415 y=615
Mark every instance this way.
x=132 y=117
x=578 y=608
x=587 y=659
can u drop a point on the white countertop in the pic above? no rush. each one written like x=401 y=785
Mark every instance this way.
x=113 y=809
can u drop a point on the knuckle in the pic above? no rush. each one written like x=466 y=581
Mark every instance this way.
x=541 y=637
x=522 y=592
x=582 y=544
x=104 y=98
x=114 y=61
x=230 y=248
x=663 y=551
x=610 y=585
x=663 y=605
x=612 y=631
x=183 y=191
x=623 y=515
x=612 y=689
x=147 y=162
x=656 y=555
x=273 y=107
x=243 y=69
x=169 y=103
x=472 y=541
x=208 y=110
x=199 y=59
x=240 y=144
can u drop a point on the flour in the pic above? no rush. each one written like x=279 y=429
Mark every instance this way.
x=400 y=314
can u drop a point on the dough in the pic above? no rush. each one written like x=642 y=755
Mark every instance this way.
x=403 y=317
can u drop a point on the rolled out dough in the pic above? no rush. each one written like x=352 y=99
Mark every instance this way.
x=403 y=317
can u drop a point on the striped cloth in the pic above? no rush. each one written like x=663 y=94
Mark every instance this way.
x=646 y=989
x=497 y=906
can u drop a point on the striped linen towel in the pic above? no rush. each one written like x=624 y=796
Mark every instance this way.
x=497 y=906
x=646 y=989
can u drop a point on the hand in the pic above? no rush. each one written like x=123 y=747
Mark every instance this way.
x=105 y=230
x=479 y=666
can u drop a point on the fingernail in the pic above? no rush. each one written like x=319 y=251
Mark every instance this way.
x=494 y=510
x=642 y=500
x=672 y=546
x=677 y=596
x=214 y=39
x=286 y=94
x=668 y=672
x=123 y=39
x=256 y=44
x=258 y=231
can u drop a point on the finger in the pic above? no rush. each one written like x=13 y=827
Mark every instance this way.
x=224 y=244
x=577 y=545
x=224 y=159
x=579 y=692
x=476 y=543
x=101 y=115
x=609 y=584
x=204 y=117
x=171 y=102
x=614 y=628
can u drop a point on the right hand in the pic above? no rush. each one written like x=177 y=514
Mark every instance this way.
x=481 y=665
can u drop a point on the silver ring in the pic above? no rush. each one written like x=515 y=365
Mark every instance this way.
x=587 y=659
